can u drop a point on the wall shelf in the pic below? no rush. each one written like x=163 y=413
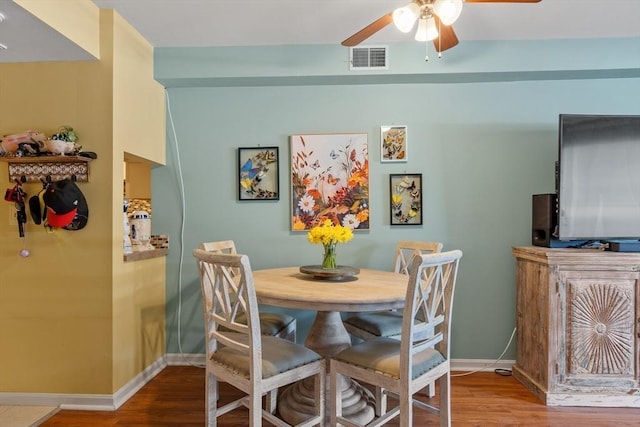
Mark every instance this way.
x=56 y=168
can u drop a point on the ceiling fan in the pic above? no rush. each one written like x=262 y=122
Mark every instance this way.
x=435 y=19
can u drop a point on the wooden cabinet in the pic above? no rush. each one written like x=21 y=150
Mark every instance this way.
x=578 y=326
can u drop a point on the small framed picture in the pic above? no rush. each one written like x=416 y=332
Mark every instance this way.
x=258 y=173
x=406 y=199
x=393 y=144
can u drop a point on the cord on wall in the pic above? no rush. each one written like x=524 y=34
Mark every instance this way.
x=503 y=372
x=182 y=223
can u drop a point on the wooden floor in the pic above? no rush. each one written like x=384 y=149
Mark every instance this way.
x=24 y=416
x=176 y=398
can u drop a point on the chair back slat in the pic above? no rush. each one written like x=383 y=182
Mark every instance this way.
x=227 y=302
x=406 y=249
x=227 y=340
x=427 y=310
x=227 y=296
x=424 y=342
x=425 y=329
x=221 y=246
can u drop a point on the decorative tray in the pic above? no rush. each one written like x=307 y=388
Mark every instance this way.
x=341 y=272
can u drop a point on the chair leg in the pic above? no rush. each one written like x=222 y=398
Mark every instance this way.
x=445 y=395
x=271 y=401
x=255 y=409
x=320 y=390
x=381 y=401
x=431 y=390
x=211 y=399
x=406 y=409
x=336 y=396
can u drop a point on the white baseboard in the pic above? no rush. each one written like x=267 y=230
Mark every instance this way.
x=133 y=386
x=88 y=402
x=191 y=359
x=480 y=365
x=467 y=365
x=108 y=402
x=97 y=402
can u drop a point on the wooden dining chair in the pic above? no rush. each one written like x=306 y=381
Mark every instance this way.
x=279 y=325
x=370 y=325
x=239 y=354
x=275 y=324
x=402 y=367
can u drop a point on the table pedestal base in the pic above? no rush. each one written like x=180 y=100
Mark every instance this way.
x=296 y=403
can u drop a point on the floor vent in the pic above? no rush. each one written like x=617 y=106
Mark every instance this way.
x=368 y=58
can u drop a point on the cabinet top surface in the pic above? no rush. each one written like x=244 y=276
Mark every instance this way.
x=571 y=255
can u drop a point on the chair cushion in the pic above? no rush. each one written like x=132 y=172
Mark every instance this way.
x=381 y=324
x=270 y=323
x=278 y=355
x=383 y=355
x=273 y=323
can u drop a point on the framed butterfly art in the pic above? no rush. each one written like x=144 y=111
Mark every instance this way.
x=393 y=144
x=258 y=173
x=406 y=199
x=330 y=180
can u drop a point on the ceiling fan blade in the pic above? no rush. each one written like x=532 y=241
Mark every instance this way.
x=502 y=1
x=369 y=30
x=446 y=36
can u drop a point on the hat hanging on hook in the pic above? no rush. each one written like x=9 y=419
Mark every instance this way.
x=66 y=206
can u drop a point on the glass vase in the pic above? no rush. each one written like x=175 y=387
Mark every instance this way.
x=329 y=259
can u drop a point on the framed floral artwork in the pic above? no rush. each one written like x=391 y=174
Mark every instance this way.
x=258 y=173
x=406 y=199
x=330 y=180
x=393 y=144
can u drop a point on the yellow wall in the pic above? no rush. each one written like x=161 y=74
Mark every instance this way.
x=55 y=305
x=138 y=182
x=74 y=318
x=138 y=100
x=138 y=129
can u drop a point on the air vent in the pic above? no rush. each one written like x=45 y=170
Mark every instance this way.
x=368 y=58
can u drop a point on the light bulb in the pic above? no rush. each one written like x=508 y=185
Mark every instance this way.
x=406 y=16
x=432 y=29
x=447 y=10
x=427 y=29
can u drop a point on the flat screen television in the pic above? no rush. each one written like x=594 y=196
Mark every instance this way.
x=598 y=181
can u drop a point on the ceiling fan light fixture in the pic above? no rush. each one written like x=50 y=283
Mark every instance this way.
x=447 y=10
x=405 y=17
x=427 y=30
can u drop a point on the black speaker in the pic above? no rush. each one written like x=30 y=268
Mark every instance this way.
x=544 y=219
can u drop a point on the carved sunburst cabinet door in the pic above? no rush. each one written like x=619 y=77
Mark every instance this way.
x=600 y=342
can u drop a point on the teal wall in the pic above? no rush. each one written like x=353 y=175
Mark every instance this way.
x=482 y=130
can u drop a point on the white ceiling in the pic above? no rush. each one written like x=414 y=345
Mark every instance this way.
x=181 y=23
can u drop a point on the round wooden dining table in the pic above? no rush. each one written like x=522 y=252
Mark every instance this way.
x=368 y=290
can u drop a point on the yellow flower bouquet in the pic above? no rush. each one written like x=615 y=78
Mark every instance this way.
x=329 y=234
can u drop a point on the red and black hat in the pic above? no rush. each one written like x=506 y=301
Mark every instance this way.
x=66 y=206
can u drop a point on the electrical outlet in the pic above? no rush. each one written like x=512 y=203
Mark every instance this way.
x=13 y=217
